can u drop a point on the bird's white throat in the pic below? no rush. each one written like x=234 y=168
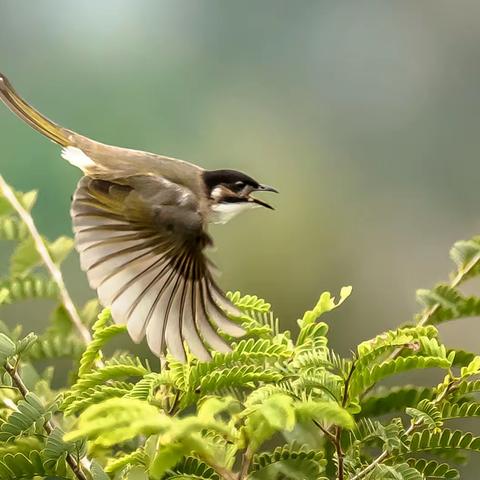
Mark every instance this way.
x=223 y=212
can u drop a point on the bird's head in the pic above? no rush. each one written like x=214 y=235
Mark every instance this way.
x=231 y=192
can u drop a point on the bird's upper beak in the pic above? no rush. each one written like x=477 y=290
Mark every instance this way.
x=263 y=188
x=267 y=188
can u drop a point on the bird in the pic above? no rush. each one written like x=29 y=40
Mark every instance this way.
x=140 y=222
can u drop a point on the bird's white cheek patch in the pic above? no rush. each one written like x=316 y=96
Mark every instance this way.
x=223 y=212
x=77 y=158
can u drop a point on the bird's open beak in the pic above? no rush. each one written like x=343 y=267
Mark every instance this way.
x=263 y=188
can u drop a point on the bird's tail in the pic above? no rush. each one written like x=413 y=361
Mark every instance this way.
x=31 y=116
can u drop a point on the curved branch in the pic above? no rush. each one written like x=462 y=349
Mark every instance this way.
x=54 y=271
x=48 y=425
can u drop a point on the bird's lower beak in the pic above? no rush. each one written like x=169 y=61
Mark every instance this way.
x=260 y=202
x=263 y=188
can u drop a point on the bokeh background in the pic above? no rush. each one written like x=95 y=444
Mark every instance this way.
x=365 y=115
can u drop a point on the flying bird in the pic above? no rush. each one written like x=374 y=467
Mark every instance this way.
x=140 y=223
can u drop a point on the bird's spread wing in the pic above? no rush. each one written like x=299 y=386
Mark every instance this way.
x=141 y=241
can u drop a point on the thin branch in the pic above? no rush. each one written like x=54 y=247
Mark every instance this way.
x=383 y=456
x=340 y=453
x=67 y=302
x=414 y=425
x=54 y=271
x=328 y=434
x=335 y=437
x=48 y=425
x=338 y=430
x=223 y=472
x=347 y=384
x=428 y=314
x=454 y=283
x=425 y=318
x=247 y=460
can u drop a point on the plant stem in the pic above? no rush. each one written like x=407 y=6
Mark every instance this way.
x=427 y=314
x=247 y=460
x=328 y=434
x=48 y=425
x=347 y=384
x=425 y=318
x=223 y=472
x=338 y=430
x=384 y=455
x=42 y=250
x=340 y=453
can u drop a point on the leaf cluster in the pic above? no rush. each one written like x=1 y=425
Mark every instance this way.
x=274 y=408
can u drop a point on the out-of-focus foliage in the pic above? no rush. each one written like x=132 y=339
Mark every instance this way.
x=275 y=407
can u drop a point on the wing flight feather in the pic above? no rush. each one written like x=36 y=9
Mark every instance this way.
x=145 y=256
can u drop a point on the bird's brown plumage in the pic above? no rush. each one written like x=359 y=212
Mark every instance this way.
x=108 y=161
x=140 y=228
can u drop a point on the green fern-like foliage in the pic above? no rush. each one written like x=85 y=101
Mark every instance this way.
x=12 y=229
x=191 y=468
x=30 y=411
x=394 y=399
x=23 y=466
x=26 y=288
x=281 y=405
x=433 y=469
x=288 y=462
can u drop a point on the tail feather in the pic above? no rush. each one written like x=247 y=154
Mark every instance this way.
x=31 y=116
x=98 y=159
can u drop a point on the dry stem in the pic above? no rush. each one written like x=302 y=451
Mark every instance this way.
x=54 y=271
x=48 y=425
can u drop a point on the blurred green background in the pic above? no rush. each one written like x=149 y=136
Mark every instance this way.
x=363 y=114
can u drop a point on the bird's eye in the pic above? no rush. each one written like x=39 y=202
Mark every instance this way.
x=239 y=183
